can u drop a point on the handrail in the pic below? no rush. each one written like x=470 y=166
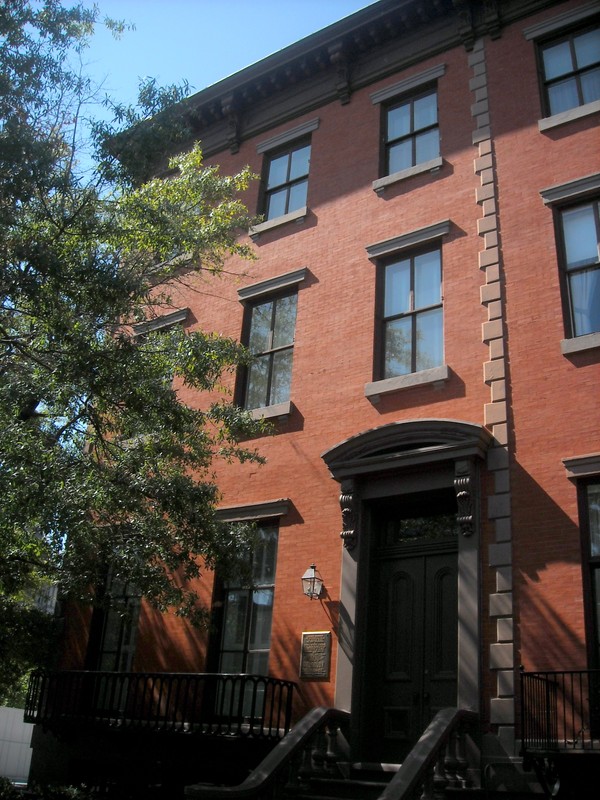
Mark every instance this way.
x=420 y=763
x=214 y=704
x=276 y=762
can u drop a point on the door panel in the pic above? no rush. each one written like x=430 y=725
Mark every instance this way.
x=411 y=658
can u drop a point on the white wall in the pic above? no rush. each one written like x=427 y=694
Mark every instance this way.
x=15 y=750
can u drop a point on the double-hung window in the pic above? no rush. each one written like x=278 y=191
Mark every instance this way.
x=271 y=342
x=580 y=233
x=568 y=52
x=412 y=133
x=576 y=208
x=269 y=334
x=409 y=314
x=412 y=319
x=111 y=645
x=410 y=130
x=286 y=180
x=571 y=70
x=284 y=185
x=248 y=610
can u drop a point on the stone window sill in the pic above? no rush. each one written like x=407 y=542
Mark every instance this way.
x=294 y=216
x=568 y=116
x=433 y=165
x=580 y=343
x=436 y=375
x=278 y=411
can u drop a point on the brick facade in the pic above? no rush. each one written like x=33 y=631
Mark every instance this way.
x=503 y=327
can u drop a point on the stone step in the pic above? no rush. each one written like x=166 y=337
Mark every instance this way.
x=347 y=788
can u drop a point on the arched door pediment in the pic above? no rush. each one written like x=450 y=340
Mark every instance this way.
x=404 y=444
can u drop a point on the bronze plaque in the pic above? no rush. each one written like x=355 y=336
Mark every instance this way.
x=315 y=657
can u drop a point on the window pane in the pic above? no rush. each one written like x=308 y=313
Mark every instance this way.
x=285 y=321
x=587 y=48
x=232 y=663
x=593 y=498
x=112 y=631
x=298 y=194
x=397 y=288
x=397 y=347
x=429 y=344
x=260 y=327
x=400 y=156
x=258 y=376
x=581 y=239
x=276 y=204
x=427 y=146
x=428 y=279
x=557 y=60
x=300 y=162
x=585 y=301
x=398 y=122
x=597 y=605
x=563 y=96
x=282 y=377
x=262 y=612
x=425 y=111
x=590 y=86
x=258 y=664
x=278 y=171
x=265 y=556
x=234 y=620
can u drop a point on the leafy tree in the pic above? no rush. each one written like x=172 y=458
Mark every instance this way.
x=99 y=462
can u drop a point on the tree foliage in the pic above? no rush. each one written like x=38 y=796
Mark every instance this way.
x=99 y=462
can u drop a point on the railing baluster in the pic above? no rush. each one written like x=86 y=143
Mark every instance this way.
x=319 y=751
x=440 y=781
x=428 y=785
x=451 y=761
x=462 y=762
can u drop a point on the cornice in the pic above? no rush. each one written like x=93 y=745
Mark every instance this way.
x=366 y=47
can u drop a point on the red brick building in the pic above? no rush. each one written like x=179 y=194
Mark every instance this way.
x=425 y=313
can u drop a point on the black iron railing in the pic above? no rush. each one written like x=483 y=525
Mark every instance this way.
x=560 y=711
x=203 y=703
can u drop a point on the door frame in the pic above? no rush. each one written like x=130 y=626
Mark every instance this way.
x=395 y=459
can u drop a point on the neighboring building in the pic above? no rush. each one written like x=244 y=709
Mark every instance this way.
x=425 y=314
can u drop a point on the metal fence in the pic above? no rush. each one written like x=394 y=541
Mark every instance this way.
x=203 y=703
x=560 y=710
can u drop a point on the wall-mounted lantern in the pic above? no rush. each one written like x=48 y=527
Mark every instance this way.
x=312 y=582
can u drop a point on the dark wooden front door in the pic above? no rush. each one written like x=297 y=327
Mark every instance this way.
x=411 y=659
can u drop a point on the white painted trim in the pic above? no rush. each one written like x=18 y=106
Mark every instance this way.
x=578 y=344
x=411 y=239
x=571 y=190
x=408 y=84
x=561 y=21
x=164 y=321
x=433 y=165
x=293 y=216
x=582 y=466
x=288 y=136
x=374 y=390
x=568 y=116
x=272 y=284
x=270 y=412
x=250 y=511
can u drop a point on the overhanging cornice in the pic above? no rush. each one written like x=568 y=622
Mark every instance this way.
x=368 y=46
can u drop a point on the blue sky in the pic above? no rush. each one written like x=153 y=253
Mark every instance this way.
x=201 y=41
